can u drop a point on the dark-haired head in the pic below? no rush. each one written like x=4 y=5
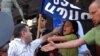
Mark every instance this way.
x=42 y=21
x=43 y=15
x=70 y=27
x=18 y=29
x=22 y=31
x=75 y=26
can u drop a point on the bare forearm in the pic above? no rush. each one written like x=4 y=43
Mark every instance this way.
x=45 y=37
x=57 y=38
x=70 y=44
x=54 y=32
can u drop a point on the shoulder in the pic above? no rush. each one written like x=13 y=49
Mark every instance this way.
x=71 y=37
x=15 y=42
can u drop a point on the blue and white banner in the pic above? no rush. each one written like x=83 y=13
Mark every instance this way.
x=62 y=9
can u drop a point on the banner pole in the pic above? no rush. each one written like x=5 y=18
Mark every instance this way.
x=39 y=20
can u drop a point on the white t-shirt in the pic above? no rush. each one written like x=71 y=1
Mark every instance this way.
x=18 y=48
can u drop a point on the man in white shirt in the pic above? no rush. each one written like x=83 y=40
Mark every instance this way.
x=23 y=45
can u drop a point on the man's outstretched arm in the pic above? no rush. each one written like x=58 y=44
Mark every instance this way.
x=71 y=44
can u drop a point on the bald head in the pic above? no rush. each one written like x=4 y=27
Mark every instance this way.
x=94 y=5
x=94 y=10
x=98 y=1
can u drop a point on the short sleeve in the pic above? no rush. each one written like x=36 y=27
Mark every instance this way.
x=89 y=37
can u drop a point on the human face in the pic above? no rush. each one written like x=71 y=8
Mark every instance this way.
x=27 y=35
x=94 y=11
x=67 y=28
x=43 y=22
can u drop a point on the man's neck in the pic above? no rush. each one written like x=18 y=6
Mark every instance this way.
x=97 y=25
x=24 y=41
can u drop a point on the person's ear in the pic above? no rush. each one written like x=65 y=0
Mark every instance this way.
x=22 y=33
